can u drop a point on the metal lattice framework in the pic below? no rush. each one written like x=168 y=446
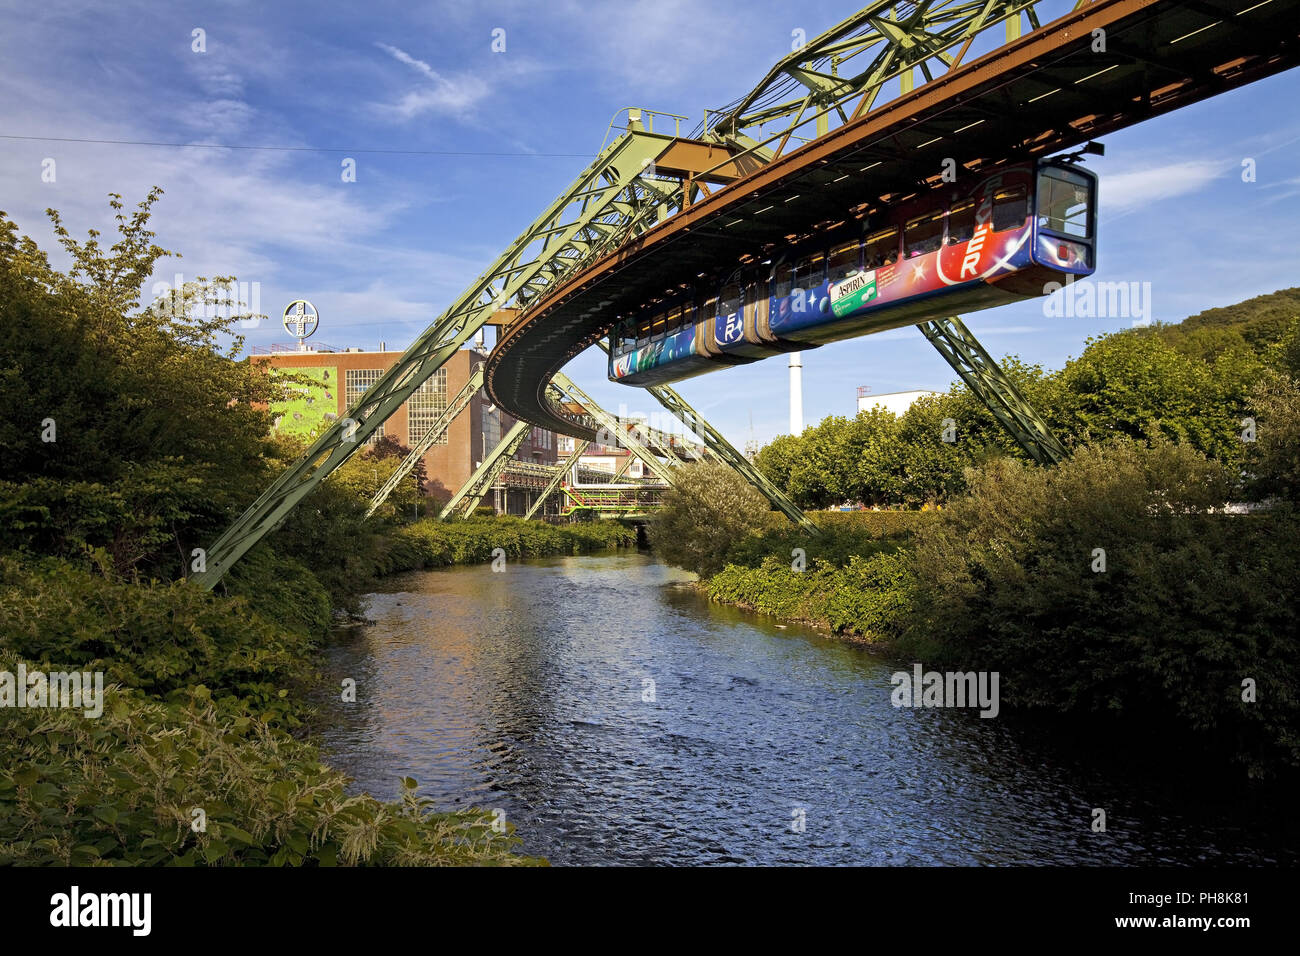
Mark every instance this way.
x=432 y=436
x=890 y=50
x=723 y=451
x=472 y=492
x=569 y=463
x=992 y=387
x=604 y=196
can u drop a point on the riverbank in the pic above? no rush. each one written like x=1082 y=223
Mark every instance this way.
x=1111 y=590
x=199 y=749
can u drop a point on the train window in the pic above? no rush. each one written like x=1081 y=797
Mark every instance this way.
x=676 y=316
x=810 y=270
x=961 y=221
x=730 y=299
x=1010 y=208
x=881 y=249
x=845 y=260
x=782 y=279
x=1063 y=202
x=658 y=326
x=923 y=234
x=626 y=336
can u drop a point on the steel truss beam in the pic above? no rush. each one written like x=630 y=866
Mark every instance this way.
x=472 y=492
x=578 y=448
x=605 y=420
x=991 y=385
x=723 y=451
x=433 y=435
x=603 y=196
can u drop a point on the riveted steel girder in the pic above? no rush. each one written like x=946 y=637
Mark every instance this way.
x=958 y=345
x=435 y=432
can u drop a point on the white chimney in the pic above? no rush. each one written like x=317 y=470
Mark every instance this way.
x=796 y=394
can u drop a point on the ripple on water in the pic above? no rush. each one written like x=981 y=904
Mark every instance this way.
x=524 y=691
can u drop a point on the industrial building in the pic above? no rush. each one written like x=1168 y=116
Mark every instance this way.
x=338 y=377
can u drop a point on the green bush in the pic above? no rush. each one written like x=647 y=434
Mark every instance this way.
x=163 y=637
x=1191 y=603
x=868 y=596
x=121 y=789
x=708 y=510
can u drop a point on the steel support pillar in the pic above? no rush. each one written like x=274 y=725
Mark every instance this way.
x=726 y=453
x=578 y=448
x=565 y=234
x=612 y=425
x=438 y=429
x=480 y=483
x=991 y=386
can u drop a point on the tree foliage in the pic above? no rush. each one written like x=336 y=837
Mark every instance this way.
x=707 y=510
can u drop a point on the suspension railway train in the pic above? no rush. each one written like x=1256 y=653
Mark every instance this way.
x=930 y=257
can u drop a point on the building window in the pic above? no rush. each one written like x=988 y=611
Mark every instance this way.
x=491 y=430
x=425 y=406
x=357 y=381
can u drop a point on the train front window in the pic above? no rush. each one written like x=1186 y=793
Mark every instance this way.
x=881 y=249
x=1010 y=207
x=923 y=234
x=961 y=221
x=843 y=262
x=1063 y=202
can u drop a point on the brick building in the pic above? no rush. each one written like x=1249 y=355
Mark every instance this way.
x=339 y=378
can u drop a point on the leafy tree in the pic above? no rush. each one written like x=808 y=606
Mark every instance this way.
x=707 y=510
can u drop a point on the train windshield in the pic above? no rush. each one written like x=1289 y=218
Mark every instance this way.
x=1063 y=202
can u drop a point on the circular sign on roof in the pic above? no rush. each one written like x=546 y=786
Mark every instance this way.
x=300 y=318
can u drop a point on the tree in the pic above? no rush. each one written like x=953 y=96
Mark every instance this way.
x=707 y=510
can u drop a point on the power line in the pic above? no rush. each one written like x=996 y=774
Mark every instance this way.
x=290 y=149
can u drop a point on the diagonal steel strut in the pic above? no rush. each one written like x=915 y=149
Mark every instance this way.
x=727 y=453
x=991 y=386
x=565 y=233
x=435 y=432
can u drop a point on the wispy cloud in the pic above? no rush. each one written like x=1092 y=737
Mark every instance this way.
x=1125 y=192
x=439 y=94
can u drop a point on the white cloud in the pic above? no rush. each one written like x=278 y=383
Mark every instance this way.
x=454 y=95
x=1126 y=191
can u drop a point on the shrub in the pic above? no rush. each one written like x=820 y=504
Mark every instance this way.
x=121 y=789
x=707 y=511
x=1190 y=603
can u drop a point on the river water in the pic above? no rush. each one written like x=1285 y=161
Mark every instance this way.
x=528 y=690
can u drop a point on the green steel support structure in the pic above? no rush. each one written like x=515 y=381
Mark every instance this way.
x=831 y=80
x=439 y=428
x=727 y=453
x=992 y=386
x=606 y=194
x=607 y=421
x=578 y=448
x=472 y=492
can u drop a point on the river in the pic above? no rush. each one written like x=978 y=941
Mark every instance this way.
x=528 y=690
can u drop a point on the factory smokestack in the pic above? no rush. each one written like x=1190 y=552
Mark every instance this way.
x=796 y=394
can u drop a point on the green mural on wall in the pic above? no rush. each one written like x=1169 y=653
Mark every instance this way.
x=315 y=401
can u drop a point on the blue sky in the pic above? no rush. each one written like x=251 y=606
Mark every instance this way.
x=381 y=257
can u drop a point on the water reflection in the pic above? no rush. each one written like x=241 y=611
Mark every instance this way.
x=525 y=690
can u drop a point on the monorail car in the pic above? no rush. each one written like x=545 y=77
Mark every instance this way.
x=933 y=256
